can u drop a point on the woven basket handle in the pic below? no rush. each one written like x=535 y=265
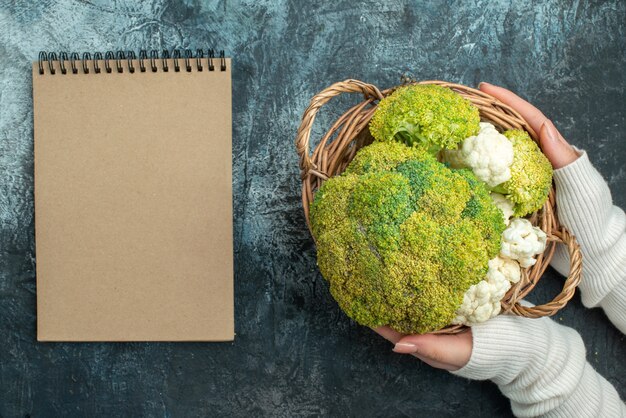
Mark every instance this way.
x=304 y=131
x=569 y=286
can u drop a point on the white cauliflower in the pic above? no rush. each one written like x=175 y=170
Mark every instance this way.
x=505 y=205
x=489 y=154
x=482 y=301
x=521 y=241
x=501 y=268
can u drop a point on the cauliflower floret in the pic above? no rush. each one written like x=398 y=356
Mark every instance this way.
x=482 y=300
x=501 y=268
x=521 y=241
x=489 y=154
x=505 y=205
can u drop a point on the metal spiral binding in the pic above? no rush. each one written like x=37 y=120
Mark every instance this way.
x=148 y=61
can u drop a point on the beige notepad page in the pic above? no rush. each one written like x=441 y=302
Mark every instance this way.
x=133 y=203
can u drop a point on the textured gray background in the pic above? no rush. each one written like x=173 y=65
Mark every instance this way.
x=295 y=353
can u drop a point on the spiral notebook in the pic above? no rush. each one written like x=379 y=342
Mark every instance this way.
x=133 y=196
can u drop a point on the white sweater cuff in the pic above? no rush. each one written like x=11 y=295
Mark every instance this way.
x=503 y=347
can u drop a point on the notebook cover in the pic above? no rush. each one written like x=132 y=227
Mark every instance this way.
x=133 y=205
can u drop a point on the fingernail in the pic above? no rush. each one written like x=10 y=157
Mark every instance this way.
x=483 y=83
x=405 y=348
x=553 y=133
x=558 y=134
x=548 y=132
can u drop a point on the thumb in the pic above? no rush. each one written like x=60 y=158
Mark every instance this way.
x=555 y=147
x=449 y=352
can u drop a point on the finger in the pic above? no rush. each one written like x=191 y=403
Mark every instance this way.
x=454 y=350
x=389 y=334
x=558 y=151
x=530 y=113
x=395 y=336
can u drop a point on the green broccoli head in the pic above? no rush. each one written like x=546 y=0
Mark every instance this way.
x=426 y=116
x=400 y=237
x=531 y=175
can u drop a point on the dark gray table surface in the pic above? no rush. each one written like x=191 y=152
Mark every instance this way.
x=295 y=353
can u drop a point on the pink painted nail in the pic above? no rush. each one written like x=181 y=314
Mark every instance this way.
x=557 y=133
x=548 y=131
x=405 y=348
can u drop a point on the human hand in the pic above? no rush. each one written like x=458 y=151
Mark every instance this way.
x=448 y=352
x=554 y=146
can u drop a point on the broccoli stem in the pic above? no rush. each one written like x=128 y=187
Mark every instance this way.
x=500 y=189
x=413 y=137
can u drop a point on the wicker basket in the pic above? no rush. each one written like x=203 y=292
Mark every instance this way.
x=350 y=132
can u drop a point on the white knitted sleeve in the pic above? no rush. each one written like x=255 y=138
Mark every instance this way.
x=585 y=207
x=541 y=367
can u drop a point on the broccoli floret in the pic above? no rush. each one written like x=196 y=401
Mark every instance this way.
x=531 y=175
x=429 y=117
x=442 y=193
x=381 y=201
x=483 y=210
x=401 y=237
x=377 y=157
x=329 y=213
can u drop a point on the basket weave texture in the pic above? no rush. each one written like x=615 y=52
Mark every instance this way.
x=350 y=132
